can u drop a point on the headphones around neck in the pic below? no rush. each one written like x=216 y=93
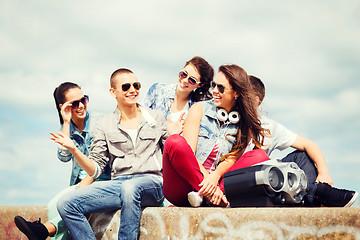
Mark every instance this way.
x=223 y=115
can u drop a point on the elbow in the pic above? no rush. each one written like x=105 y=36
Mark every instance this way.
x=311 y=144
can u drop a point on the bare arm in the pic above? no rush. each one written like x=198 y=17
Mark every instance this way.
x=314 y=152
x=192 y=129
x=209 y=186
x=86 y=181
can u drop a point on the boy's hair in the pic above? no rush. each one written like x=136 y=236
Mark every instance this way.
x=258 y=87
x=117 y=72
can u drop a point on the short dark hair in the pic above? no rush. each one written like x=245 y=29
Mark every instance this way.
x=117 y=72
x=258 y=87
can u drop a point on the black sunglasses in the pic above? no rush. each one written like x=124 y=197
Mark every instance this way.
x=220 y=87
x=191 y=80
x=126 y=86
x=84 y=100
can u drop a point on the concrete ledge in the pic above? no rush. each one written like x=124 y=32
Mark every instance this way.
x=214 y=223
x=8 y=229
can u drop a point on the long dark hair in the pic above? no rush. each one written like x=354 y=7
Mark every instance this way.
x=249 y=126
x=206 y=72
x=59 y=96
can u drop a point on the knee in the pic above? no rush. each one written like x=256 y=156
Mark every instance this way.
x=261 y=155
x=300 y=156
x=130 y=193
x=64 y=204
x=174 y=142
x=257 y=155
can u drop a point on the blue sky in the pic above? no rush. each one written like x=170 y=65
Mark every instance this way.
x=307 y=53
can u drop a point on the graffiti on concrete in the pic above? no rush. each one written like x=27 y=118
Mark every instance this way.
x=105 y=225
x=268 y=230
x=223 y=229
x=213 y=226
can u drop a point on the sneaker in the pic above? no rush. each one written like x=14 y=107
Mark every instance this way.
x=33 y=230
x=330 y=196
x=195 y=199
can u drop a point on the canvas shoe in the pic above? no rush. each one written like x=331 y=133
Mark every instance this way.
x=33 y=230
x=195 y=199
x=330 y=196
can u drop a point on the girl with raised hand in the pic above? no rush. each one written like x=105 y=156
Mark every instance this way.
x=78 y=124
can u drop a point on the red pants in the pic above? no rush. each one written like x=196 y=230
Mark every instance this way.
x=181 y=171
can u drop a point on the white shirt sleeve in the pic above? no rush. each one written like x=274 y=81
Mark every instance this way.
x=281 y=138
x=97 y=172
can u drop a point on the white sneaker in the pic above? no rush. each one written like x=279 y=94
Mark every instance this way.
x=195 y=199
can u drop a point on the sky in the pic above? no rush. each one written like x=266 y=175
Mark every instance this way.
x=306 y=52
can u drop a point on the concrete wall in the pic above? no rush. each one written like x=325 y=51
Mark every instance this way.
x=8 y=230
x=215 y=223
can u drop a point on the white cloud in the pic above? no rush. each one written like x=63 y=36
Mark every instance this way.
x=307 y=54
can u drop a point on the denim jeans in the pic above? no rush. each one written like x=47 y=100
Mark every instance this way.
x=129 y=193
x=305 y=163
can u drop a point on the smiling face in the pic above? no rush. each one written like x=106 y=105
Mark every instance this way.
x=128 y=97
x=226 y=99
x=183 y=83
x=74 y=94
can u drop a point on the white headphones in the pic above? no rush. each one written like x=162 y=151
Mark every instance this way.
x=223 y=115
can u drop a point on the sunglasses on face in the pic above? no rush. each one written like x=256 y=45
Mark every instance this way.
x=220 y=87
x=191 y=80
x=126 y=86
x=84 y=100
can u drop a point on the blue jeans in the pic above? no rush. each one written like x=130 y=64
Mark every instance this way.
x=305 y=163
x=129 y=193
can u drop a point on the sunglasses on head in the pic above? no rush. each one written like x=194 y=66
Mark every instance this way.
x=220 y=87
x=126 y=86
x=191 y=80
x=84 y=100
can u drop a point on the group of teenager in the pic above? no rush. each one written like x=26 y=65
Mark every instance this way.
x=176 y=144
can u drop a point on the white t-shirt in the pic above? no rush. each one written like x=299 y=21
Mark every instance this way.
x=132 y=133
x=175 y=116
x=281 y=137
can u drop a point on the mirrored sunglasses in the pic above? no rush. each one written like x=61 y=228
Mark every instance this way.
x=126 y=86
x=191 y=80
